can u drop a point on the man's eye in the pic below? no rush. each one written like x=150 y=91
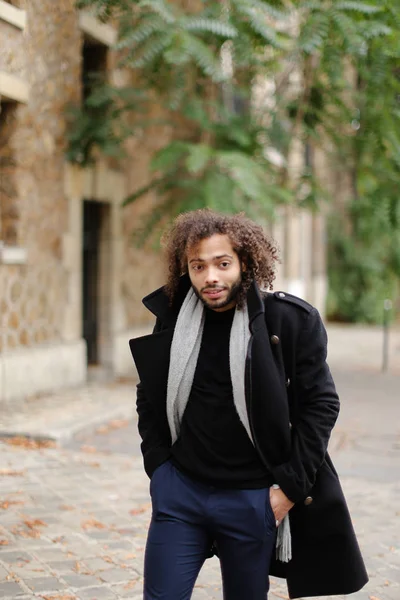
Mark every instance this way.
x=197 y=267
x=224 y=264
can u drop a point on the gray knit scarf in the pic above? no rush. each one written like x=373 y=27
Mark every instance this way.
x=185 y=350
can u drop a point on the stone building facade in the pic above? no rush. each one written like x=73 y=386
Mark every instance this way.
x=71 y=281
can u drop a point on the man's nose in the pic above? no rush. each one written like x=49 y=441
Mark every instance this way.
x=212 y=276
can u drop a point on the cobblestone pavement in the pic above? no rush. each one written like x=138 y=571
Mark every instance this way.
x=73 y=518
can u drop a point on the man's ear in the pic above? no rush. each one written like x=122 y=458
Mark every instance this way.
x=244 y=266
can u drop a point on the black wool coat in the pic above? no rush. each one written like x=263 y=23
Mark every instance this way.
x=292 y=406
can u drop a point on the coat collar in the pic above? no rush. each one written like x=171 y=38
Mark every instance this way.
x=157 y=302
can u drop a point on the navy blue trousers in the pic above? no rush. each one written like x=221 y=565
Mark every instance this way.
x=187 y=517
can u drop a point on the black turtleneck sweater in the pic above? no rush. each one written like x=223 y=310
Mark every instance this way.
x=213 y=446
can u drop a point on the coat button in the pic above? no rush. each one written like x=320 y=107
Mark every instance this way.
x=308 y=501
x=274 y=339
x=281 y=295
x=287 y=382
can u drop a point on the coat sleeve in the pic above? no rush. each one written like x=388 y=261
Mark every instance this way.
x=316 y=412
x=155 y=448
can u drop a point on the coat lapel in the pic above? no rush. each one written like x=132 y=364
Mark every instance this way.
x=158 y=303
x=266 y=395
x=151 y=353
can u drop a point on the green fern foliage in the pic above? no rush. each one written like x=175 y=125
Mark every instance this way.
x=100 y=123
x=231 y=175
x=247 y=78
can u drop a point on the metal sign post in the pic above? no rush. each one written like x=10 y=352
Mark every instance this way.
x=387 y=307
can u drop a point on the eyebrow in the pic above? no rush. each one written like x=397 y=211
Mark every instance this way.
x=213 y=258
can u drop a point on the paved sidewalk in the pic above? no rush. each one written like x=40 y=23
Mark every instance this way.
x=360 y=347
x=73 y=526
x=73 y=518
x=351 y=348
x=59 y=416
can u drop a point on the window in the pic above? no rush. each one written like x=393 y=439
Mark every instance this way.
x=8 y=193
x=94 y=65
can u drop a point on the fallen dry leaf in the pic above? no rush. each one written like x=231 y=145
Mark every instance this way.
x=58 y=540
x=92 y=524
x=31 y=533
x=108 y=559
x=4 y=542
x=66 y=507
x=140 y=509
x=102 y=429
x=92 y=464
x=29 y=443
x=7 y=503
x=58 y=597
x=32 y=526
x=130 y=585
x=137 y=511
x=79 y=568
x=89 y=449
x=11 y=472
x=374 y=598
x=112 y=425
x=33 y=523
x=130 y=379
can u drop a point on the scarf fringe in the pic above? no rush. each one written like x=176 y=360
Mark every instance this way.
x=284 y=541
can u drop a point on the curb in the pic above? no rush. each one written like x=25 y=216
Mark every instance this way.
x=62 y=433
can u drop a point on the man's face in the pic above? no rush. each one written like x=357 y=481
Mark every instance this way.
x=215 y=272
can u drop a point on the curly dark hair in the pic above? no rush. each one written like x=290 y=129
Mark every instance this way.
x=248 y=239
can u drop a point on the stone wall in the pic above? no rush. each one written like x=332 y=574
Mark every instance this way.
x=41 y=300
x=12 y=55
x=35 y=209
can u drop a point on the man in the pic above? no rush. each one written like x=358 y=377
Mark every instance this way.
x=236 y=405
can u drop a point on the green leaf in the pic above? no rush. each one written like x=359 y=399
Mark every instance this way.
x=245 y=172
x=204 y=57
x=170 y=156
x=165 y=10
x=375 y=29
x=209 y=25
x=199 y=155
x=145 y=28
x=262 y=9
x=219 y=191
x=154 y=184
x=361 y=7
x=152 y=48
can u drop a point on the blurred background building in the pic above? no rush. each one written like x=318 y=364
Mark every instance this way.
x=71 y=281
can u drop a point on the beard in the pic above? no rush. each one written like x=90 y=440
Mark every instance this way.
x=233 y=292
